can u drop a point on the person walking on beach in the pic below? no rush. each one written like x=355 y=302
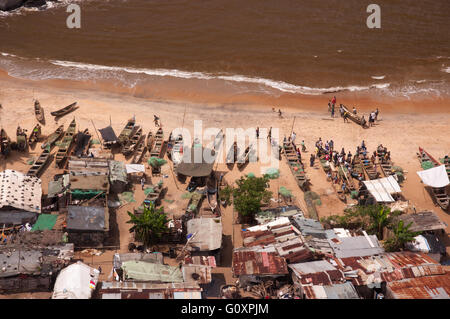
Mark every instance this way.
x=332 y=111
x=331 y=144
x=354 y=110
x=257 y=132
x=341 y=110
x=269 y=136
x=376 y=114
x=293 y=136
x=303 y=146
x=333 y=101
x=280 y=115
x=311 y=160
x=156 y=120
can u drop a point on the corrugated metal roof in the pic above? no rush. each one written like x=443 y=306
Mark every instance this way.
x=432 y=287
x=145 y=290
x=423 y=221
x=196 y=273
x=356 y=246
x=258 y=261
x=20 y=191
x=139 y=270
x=200 y=260
x=338 y=291
x=86 y=218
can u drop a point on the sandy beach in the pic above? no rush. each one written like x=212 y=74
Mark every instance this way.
x=402 y=129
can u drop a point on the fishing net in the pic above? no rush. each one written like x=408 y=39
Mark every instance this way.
x=397 y=169
x=127 y=197
x=250 y=174
x=272 y=173
x=192 y=207
x=285 y=192
x=31 y=161
x=85 y=194
x=187 y=195
x=156 y=162
x=354 y=194
x=427 y=165
x=148 y=190
x=95 y=142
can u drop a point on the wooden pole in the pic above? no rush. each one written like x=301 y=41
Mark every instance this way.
x=97 y=133
x=292 y=129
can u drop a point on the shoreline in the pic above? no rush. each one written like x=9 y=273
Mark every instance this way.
x=215 y=92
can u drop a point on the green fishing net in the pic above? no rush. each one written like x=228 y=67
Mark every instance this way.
x=93 y=141
x=187 y=195
x=31 y=161
x=156 y=162
x=272 y=173
x=127 y=197
x=427 y=165
x=148 y=190
x=285 y=192
x=250 y=174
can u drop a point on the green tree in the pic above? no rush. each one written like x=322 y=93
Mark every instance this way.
x=150 y=225
x=401 y=236
x=250 y=194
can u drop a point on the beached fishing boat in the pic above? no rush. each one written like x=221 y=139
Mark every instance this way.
x=127 y=131
x=35 y=134
x=141 y=149
x=56 y=135
x=244 y=157
x=65 y=110
x=66 y=143
x=150 y=141
x=370 y=169
x=385 y=164
x=159 y=143
x=440 y=194
x=40 y=163
x=296 y=167
x=343 y=171
x=355 y=118
x=131 y=145
x=5 y=143
x=154 y=197
x=358 y=167
x=232 y=154
x=22 y=141
x=39 y=112
x=334 y=177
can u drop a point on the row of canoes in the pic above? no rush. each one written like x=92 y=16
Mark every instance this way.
x=39 y=111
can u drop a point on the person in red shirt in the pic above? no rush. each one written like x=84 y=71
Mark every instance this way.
x=333 y=101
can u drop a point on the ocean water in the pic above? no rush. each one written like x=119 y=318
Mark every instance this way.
x=284 y=46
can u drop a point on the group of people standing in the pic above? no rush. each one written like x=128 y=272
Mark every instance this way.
x=373 y=116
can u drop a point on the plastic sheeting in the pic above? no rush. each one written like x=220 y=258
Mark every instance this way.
x=135 y=168
x=382 y=189
x=76 y=281
x=435 y=177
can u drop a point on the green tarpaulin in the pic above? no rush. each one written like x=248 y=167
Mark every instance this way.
x=44 y=222
x=272 y=173
x=127 y=197
x=148 y=190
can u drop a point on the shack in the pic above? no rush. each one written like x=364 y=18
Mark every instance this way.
x=31 y=261
x=118 y=178
x=20 y=198
x=205 y=237
x=253 y=265
x=87 y=226
x=108 y=136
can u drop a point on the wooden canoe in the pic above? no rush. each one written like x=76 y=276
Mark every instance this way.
x=159 y=143
x=66 y=143
x=177 y=152
x=53 y=137
x=358 y=166
x=370 y=169
x=150 y=141
x=296 y=167
x=126 y=132
x=35 y=134
x=40 y=163
x=440 y=194
x=141 y=149
x=131 y=145
x=244 y=158
x=65 y=110
x=355 y=118
x=39 y=112
x=5 y=143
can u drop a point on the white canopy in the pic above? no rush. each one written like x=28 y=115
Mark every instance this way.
x=434 y=177
x=76 y=281
x=382 y=189
x=135 y=168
